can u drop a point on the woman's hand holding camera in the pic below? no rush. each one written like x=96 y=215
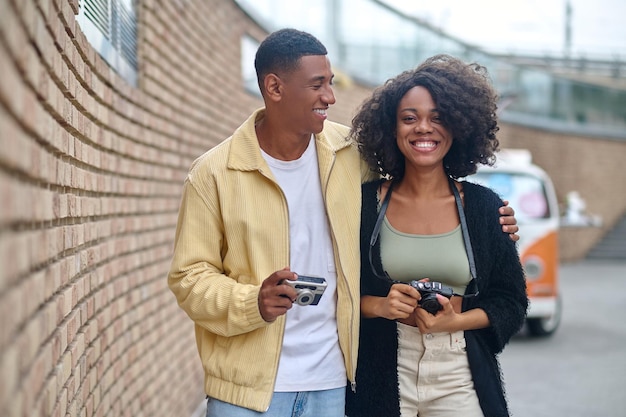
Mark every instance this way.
x=450 y=318
x=445 y=320
x=399 y=304
x=402 y=304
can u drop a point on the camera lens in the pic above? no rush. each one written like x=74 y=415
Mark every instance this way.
x=305 y=297
x=430 y=303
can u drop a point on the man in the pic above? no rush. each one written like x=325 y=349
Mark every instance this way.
x=278 y=199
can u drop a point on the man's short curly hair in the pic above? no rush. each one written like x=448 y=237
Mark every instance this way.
x=281 y=51
x=466 y=103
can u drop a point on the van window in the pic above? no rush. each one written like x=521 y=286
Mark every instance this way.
x=525 y=193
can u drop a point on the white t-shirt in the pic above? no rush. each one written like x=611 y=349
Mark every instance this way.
x=310 y=359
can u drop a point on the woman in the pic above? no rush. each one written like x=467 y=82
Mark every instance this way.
x=423 y=130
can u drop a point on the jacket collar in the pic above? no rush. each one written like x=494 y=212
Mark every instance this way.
x=245 y=152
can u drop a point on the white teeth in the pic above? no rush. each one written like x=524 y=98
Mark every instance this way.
x=424 y=144
x=320 y=111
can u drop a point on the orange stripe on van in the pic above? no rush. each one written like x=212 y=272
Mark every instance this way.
x=546 y=250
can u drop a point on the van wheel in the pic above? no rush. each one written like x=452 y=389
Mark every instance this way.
x=545 y=326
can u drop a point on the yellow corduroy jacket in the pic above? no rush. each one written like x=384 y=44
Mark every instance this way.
x=233 y=232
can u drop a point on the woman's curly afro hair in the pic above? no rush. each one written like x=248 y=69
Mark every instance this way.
x=465 y=100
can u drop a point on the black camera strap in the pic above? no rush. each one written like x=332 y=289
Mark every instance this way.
x=376 y=231
x=464 y=233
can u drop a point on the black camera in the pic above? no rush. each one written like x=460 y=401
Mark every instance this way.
x=309 y=289
x=429 y=290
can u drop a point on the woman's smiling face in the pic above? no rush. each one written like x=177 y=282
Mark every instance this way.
x=421 y=137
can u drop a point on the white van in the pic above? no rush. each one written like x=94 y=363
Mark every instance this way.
x=530 y=192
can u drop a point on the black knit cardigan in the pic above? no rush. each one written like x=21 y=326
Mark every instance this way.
x=502 y=296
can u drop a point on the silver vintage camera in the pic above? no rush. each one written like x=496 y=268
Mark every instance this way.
x=309 y=289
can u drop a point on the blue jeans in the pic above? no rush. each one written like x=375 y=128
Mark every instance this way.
x=328 y=403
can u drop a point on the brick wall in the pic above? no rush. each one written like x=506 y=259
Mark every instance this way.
x=91 y=171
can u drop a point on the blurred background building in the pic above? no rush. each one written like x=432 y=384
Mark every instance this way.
x=104 y=104
x=556 y=88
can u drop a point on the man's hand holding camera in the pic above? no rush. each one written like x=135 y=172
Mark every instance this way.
x=276 y=297
x=303 y=290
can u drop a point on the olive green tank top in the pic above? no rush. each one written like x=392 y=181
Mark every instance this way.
x=440 y=257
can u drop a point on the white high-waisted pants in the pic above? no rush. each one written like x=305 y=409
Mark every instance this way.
x=434 y=375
